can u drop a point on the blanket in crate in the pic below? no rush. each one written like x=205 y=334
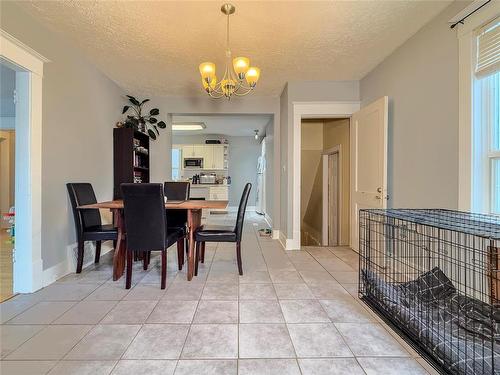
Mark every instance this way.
x=461 y=332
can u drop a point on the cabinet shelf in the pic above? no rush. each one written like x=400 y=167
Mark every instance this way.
x=126 y=157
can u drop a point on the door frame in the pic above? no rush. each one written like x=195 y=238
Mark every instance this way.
x=28 y=264
x=309 y=110
x=337 y=149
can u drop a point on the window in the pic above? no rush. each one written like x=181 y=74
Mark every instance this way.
x=486 y=121
x=176 y=164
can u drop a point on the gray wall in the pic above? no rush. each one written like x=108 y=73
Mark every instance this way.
x=304 y=91
x=80 y=108
x=243 y=155
x=421 y=80
x=269 y=140
x=7 y=87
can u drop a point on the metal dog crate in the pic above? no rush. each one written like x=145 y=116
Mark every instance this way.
x=433 y=275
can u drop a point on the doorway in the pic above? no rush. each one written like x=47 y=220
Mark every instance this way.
x=7 y=179
x=25 y=260
x=325 y=182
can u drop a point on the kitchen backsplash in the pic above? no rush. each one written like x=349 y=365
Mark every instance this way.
x=189 y=173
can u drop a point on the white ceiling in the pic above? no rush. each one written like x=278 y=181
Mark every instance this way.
x=229 y=125
x=155 y=47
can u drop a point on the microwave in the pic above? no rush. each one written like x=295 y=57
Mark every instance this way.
x=193 y=163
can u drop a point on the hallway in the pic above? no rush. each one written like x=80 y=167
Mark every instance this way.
x=291 y=313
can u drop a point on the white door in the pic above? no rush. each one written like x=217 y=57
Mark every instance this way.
x=368 y=161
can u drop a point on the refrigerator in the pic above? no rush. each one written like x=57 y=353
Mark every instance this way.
x=259 y=193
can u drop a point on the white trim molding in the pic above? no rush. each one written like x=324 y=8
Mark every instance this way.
x=337 y=149
x=466 y=53
x=309 y=110
x=28 y=264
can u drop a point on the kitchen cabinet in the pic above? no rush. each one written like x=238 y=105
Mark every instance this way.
x=219 y=193
x=210 y=192
x=215 y=157
x=193 y=151
x=208 y=159
x=218 y=157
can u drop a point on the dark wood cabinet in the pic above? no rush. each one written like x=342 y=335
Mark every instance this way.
x=130 y=158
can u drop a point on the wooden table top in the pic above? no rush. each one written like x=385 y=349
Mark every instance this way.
x=180 y=205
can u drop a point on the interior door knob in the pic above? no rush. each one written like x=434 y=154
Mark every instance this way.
x=379 y=190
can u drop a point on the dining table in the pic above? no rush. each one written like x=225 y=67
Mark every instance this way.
x=194 y=212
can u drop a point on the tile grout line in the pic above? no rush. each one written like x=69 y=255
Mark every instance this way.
x=279 y=304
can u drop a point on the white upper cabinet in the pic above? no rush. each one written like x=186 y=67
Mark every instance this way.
x=218 y=157
x=215 y=157
x=208 y=160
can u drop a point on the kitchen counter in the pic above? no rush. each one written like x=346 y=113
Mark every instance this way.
x=207 y=185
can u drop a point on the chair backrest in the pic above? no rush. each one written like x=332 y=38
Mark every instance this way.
x=241 y=211
x=79 y=195
x=145 y=216
x=177 y=190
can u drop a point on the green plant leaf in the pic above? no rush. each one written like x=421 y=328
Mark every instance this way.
x=152 y=134
x=144 y=101
x=125 y=109
x=154 y=112
x=157 y=132
x=162 y=125
x=133 y=100
x=152 y=120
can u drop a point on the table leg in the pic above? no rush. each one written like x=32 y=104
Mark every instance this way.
x=120 y=250
x=194 y=221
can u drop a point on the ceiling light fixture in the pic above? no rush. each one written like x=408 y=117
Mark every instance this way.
x=239 y=77
x=256 y=134
x=188 y=126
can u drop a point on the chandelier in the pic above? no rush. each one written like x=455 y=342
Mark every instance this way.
x=239 y=77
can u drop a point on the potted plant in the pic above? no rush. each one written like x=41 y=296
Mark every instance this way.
x=146 y=123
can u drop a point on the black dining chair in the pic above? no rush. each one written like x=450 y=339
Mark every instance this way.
x=178 y=191
x=88 y=223
x=218 y=233
x=146 y=225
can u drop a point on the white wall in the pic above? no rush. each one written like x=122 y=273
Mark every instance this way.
x=243 y=155
x=80 y=108
x=421 y=80
x=305 y=91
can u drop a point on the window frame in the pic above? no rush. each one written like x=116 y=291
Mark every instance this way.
x=467 y=53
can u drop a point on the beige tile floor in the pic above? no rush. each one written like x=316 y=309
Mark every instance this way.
x=290 y=313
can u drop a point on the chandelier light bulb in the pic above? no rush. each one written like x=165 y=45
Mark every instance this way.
x=256 y=134
x=207 y=71
x=241 y=65
x=252 y=76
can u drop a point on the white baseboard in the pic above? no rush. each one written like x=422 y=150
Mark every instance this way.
x=287 y=243
x=68 y=265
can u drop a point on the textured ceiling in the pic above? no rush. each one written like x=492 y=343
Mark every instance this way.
x=229 y=125
x=155 y=47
